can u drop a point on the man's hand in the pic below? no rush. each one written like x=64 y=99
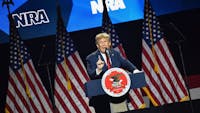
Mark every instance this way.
x=100 y=63
x=137 y=71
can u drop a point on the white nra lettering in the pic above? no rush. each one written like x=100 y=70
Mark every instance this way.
x=112 y=5
x=31 y=18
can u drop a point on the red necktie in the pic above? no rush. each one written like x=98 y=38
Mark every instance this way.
x=108 y=61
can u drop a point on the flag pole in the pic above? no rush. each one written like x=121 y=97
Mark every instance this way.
x=7 y=3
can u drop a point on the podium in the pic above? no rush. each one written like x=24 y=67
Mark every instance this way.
x=94 y=87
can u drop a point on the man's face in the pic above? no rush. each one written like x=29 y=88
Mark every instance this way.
x=102 y=44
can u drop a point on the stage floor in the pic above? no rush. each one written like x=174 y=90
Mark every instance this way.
x=181 y=107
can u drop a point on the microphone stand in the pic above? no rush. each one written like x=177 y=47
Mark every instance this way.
x=46 y=65
x=179 y=42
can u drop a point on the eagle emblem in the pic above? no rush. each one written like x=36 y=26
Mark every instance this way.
x=116 y=81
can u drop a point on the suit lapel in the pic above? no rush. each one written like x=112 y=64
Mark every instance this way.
x=98 y=53
x=113 y=58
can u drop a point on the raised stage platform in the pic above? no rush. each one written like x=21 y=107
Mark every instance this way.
x=183 y=107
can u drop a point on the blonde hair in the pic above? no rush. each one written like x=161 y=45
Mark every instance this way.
x=102 y=35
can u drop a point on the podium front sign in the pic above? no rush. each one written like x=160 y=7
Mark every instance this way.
x=116 y=82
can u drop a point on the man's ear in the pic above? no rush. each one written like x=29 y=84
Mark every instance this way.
x=109 y=44
x=97 y=45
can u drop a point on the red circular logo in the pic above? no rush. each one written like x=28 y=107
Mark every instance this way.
x=116 y=82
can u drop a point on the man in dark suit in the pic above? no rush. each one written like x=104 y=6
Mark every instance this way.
x=99 y=62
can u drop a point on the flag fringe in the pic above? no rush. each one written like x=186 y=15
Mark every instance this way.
x=6 y=110
x=186 y=98
x=150 y=97
x=142 y=106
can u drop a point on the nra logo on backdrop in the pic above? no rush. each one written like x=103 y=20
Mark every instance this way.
x=31 y=18
x=112 y=5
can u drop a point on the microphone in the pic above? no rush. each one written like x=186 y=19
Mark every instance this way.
x=108 y=58
x=107 y=52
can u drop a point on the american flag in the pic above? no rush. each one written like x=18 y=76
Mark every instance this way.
x=26 y=93
x=135 y=95
x=165 y=83
x=71 y=75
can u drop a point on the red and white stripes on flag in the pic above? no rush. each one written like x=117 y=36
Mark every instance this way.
x=70 y=76
x=165 y=83
x=135 y=95
x=26 y=93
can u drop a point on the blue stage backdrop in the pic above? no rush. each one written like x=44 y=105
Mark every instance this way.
x=36 y=18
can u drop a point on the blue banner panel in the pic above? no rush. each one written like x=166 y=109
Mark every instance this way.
x=40 y=18
x=37 y=18
x=88 y=13
x=162 y=7
x=34 y=18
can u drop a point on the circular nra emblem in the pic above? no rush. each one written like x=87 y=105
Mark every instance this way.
x=116 y=82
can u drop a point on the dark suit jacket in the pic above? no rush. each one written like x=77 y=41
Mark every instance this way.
x=116 y=60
